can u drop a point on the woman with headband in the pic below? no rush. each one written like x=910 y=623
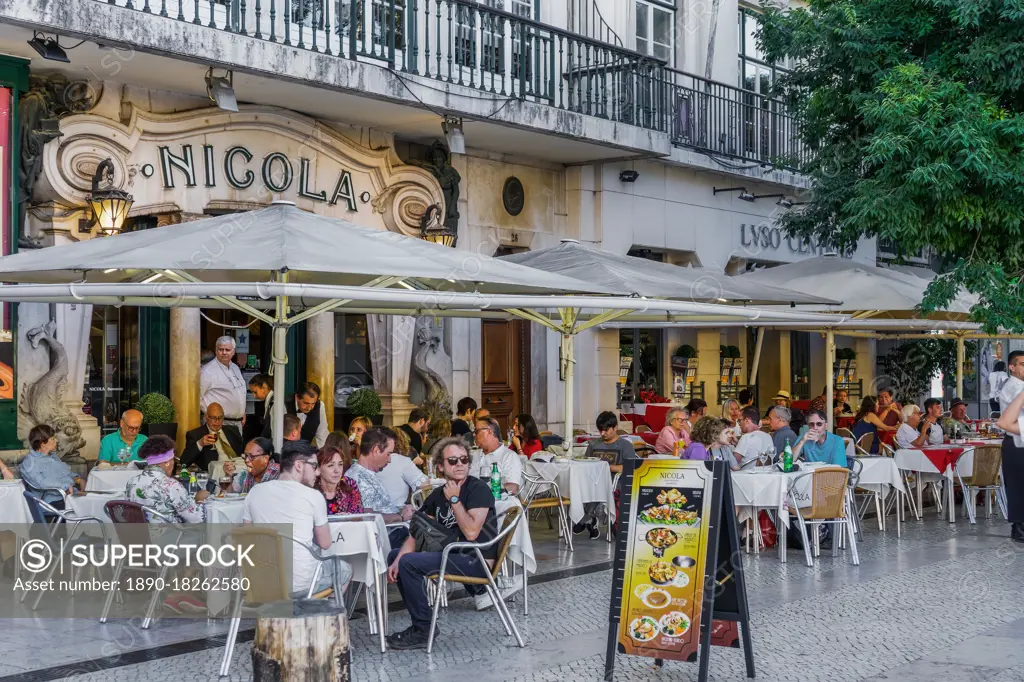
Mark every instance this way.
x=157 y=489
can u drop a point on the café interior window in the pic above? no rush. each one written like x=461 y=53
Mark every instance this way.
x=112 y=365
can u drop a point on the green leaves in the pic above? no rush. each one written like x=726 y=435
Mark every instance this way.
x=916 y=113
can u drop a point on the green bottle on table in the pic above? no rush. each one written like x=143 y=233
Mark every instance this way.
x=495 y=482
x=787 y=458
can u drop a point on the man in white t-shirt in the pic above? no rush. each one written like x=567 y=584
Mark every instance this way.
x=400 y=477
x=754 y=440
x=487 y=433
x=291 y=499
x=908 y=436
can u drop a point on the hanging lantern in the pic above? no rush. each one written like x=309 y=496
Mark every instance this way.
x=433 y=230
x=110 y=205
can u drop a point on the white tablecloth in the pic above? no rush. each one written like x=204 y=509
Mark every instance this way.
x=912 y=459
x=879 y=474
x=520 y=552
x=580 y=481
x=13 y=507
x=110 y=480
x=92 y=504
x=768 y=488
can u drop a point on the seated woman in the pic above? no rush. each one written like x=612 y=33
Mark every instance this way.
x=156 y=489
x=260 y=466
x=340 y=491
x=42 y=469
x=526 y=438
x=867 y=421
x=673 y=433
x=357 y=428
x=707 y=435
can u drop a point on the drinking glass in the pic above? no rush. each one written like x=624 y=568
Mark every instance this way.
x=123 y=455
x=202 y=480
x=225 y=485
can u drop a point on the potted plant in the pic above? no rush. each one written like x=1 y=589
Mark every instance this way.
x=686 y=351
x=364 y=402
x=157 y=415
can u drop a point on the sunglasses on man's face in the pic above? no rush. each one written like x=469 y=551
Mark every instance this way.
x=452 y=461
x=812 y=424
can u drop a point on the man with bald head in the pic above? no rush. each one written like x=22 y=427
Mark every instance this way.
x=214 y=441
x=127 y=437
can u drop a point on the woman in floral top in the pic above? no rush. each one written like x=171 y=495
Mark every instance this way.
x=340 y=491
x=157 y=490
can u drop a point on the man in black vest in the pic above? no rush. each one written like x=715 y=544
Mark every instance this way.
x=212 y=441
x=311 y=412
x=258 y=424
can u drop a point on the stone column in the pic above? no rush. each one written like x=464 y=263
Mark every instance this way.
x=320 y=359
x=391 y=342
x=607 y=376
x=866 y=357
x=185 y=359
x=709 y=365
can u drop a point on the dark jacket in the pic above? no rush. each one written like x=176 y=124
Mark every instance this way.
x=202 y=457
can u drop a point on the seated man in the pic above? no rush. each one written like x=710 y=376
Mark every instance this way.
x=818 y=445
x=957 y=422
x=43 y=470
x=487 y=433
x=127 y=437
x=260 y=466
x=607 y=426
x=375 y=449
x=214 y=441
x=930 y=424
x=291 y=499
x=908 y=434
x=464 y=505
x=400 y=477
x=782 y=432
x=753 y=441
x=155 y=488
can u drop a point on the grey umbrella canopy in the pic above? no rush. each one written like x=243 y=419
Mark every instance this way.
x=247 y=247
x=643 y=277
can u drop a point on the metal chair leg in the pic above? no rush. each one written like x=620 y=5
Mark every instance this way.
x=437 y=607
x=151 y=611
x=113 y=590
x=229 y=644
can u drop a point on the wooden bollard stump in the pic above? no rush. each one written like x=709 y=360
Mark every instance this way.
x=301 y=641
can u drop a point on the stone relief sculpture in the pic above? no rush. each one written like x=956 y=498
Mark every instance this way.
x=50 y=97
x=43 y=400
x=440 y=166
x=430 y=363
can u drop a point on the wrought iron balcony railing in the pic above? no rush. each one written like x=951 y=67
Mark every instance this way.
x=725 y=120
x=453 y=41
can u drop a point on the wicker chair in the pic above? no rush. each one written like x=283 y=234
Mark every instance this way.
x=503 y=540
x=643 y=428
x=865 y=443
x=268 y=579
x=988 y=462
x=830 y=504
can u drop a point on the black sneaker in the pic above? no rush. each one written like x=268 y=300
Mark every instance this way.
x=579 y=528
x=1017 y=531
x=595 y=532
x=410 y=638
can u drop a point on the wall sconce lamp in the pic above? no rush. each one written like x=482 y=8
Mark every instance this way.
x=433 y=230
x=452 y=128
x=110 y=205
x=744 y=194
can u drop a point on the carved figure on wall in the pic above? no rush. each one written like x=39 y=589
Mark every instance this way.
x=429 y=353
x=440 y=167
x=43 y=400
x=50 y=97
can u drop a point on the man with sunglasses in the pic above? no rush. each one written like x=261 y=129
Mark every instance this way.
x=465 y=506
x=817 y=444
x=291 y=499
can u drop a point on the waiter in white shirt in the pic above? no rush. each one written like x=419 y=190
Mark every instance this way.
x=1013 y=448
x=221 y=382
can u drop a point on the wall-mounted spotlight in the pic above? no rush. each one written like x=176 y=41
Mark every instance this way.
x=744 y=194
x=453 y=135
x=221 y=89
x=49 y=48
x=629 y=176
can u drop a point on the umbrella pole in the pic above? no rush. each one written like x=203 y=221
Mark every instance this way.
x=960 y=367
x=568 y=360
x=830 y=358
x=279 y=358
x=757 y=358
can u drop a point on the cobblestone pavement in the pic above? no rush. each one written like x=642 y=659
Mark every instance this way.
x=941 y=603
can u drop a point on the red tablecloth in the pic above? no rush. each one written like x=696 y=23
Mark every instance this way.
x=649 y=437
x=845 y=422
x=654 y=417
x=942 y=457
x=887 y=437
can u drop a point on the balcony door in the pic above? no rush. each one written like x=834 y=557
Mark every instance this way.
x=505 y=375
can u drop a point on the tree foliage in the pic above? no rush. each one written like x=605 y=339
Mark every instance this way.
x=914 y=112
x=910 y=366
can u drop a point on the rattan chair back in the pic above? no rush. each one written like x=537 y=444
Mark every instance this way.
x=828 y=493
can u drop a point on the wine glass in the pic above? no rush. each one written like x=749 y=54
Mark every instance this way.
x=225 y=484
x=202 y=480
x=123 y=455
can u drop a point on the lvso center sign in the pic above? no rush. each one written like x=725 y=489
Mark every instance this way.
x=757 y=239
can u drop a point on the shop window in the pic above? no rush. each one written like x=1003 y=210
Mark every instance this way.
x=352 y=366
x=800 y=363
x=654 y=33
x=756 y=75
x=644 y=376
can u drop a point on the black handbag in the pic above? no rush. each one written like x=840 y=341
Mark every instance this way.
x=430 y=535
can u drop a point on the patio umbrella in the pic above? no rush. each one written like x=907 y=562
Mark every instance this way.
x=640 y=277
x=267 y=258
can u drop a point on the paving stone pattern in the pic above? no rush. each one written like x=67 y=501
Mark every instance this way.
x=941 y=603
